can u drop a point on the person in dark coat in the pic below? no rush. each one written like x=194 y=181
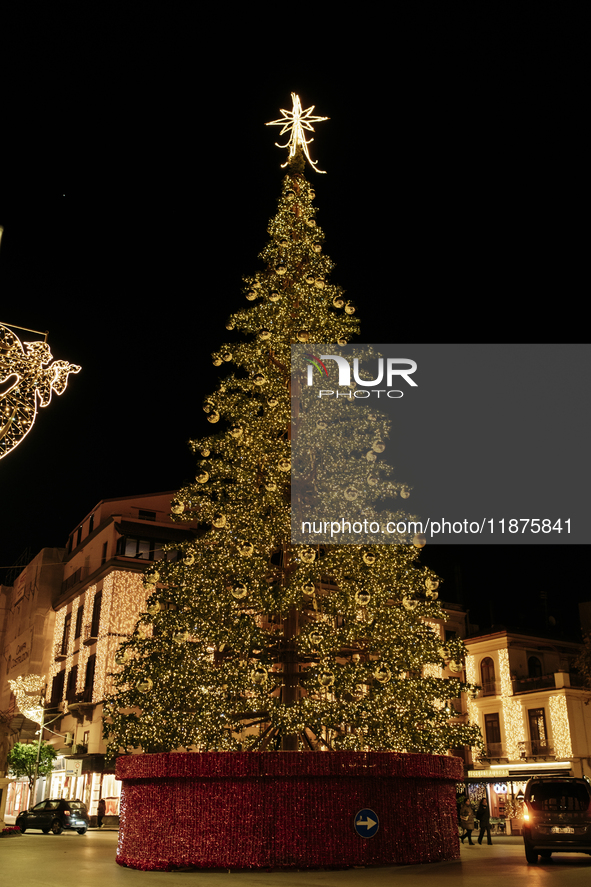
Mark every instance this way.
x=467 y=820
x=483 y=816
x=100 y=812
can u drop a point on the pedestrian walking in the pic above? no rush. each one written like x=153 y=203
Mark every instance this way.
x=483 y=817
x=467 y=820
x=100 y=812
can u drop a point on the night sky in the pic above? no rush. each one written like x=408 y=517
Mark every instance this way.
x=142 y=183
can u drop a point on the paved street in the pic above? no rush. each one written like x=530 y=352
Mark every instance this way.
x=69 y=860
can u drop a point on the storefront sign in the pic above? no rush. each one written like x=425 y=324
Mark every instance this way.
x=488 y=774
x=74 y=767
x=19 y=653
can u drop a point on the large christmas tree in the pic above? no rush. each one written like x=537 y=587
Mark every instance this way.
x=250 y=642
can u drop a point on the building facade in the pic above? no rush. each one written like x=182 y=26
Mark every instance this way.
x=532 y=714
x=91 y=604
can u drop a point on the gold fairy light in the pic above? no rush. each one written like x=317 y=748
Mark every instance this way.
x=560 y=727
x=512 y=709
x=294 y=122
x=33 y=379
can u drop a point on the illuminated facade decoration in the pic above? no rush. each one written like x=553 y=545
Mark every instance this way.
x=27 y=690
x=33 y=379
x=531 y=710
x=294 y=122
x=95 y=594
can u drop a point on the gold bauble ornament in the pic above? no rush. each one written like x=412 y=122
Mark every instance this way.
x=308 y=555
x=431 y=584
x=362 y=598
x=371 y=456
x=144 y=685
x=245 y=549
x=189 y=560
x=378 y=446
x=272 y=402
x=342 y=341
x=202 y=477
x=338 y=302
x=349 y=308
x=227 y=356
x=230 y=325
x=271 y=486
x=264 y=335
x=208 y=406
x=239 y=591
x=284 y=465
x=177 y=508
x=274 y=297
x=281 y=270
x=351 y=493
x=303 y=335
x=326 y=678
x=319 y=283
x=290 y=195
x=217 y=361
x=432 y=595
x=213 y=418
x=251 y=295
x=205 y=452
x=317 y=247
x=219 y=521
x=122 y=657
x=382 y=674
x=259 y=379
x=259 y=676
x=309 y=588
x=315 y=638
x=311 y=223
x=405 y=492
x=311 y=193
x=372 y=481
x=369 y=558
x=321 y=425
x=409 y=604
x=180 y=637
x=455 y=666
x=310 y=279
x=236 y=431
x=152 y=578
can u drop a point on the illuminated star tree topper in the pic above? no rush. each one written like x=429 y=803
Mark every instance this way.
x=294 y=122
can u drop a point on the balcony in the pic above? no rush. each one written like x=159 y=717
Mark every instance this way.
x=494 y=751
x=59 y=652
x=527 y=685
x=490 y=688
x=536 y=748
x=90 y=633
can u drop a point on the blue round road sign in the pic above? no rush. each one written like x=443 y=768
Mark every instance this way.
x=366 y=823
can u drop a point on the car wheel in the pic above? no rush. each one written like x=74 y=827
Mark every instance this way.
x=545 y=854
x=531 y=855
x=56 y=827
x=45 y=831
x=23 y=828
x=81 y=831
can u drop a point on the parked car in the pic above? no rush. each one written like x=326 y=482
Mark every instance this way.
x=54 y=816
x=556 y=816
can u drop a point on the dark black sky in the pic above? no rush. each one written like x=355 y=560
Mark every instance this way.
x=139 y=186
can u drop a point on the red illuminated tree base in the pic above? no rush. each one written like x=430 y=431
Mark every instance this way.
x=249 y=810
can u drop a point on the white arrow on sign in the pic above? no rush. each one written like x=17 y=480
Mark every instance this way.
x=368 y=823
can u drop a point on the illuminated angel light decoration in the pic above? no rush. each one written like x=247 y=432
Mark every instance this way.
x=294 y=122
x=27 y=381
x=23 y=688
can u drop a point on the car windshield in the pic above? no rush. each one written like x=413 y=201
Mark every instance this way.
x=75 y=805
x=561 y=796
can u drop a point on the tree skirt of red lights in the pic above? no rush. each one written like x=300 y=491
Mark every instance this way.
x=293 y=809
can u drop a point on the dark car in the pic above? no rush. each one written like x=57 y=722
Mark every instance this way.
x=556 y=816
x=54 y=816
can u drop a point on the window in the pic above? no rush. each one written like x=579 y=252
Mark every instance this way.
x=66 y=634
x=79 y=536
x=534 y=667
x=96 y=614
x=89 y=679
x=71 y=685
x=79 y=617
x=104 y=553
x=146 y=515
x=90 y=524
x=537 y=730
x=487 y=674
x=57 y=688
x=492 y=728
